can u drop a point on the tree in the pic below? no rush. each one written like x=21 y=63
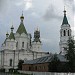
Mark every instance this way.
x=53 y=66
x=70 y=54
x=20 y=64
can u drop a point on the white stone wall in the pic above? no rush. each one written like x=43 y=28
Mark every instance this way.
x=18 y=55
x=63 y=39
x=10 y=44
x=22 y=38
x=12 y=49
x=37 y=46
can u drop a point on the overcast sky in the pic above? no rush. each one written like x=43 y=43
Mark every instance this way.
x=45 y=14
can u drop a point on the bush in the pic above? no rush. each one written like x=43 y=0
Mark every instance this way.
x=20 y=64
x=11 y=70
x=15 y=71
x=2 y=70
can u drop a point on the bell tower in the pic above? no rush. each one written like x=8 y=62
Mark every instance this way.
x=37 y=35
x=65 y=33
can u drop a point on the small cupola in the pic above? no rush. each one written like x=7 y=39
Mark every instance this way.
x=12 y=28
x=11 y=36
x=7 y=35
x=22 y=17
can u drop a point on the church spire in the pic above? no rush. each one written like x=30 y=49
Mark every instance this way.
x=21 y=29
x=64 y=11
x=65 y=21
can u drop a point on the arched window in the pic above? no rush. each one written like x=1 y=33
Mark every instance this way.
x=22 y=44
x=64 y=33
x=68 y=32
x=10 y=62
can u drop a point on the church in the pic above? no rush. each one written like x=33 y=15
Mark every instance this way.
x=65 y=34
x=19 y=46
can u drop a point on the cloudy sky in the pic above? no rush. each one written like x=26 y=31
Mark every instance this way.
x=45 y=14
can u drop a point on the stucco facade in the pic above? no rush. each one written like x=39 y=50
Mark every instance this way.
x=19 y=46
x=65 y=34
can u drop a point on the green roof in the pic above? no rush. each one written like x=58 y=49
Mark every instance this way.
x=65 y=21
x=5 y=41
x=21 y=29
x=11 y=36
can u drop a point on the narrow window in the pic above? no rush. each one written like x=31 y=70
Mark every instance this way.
x=22 y=44
x=64 y=33
x=17 y=44
x=10 y=62
x=68 y=32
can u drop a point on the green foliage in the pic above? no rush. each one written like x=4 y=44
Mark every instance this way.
x=53 y=66
x=20 y=64
x=69 y=66
x=11 y=70
x=2 y=70
x=70 y=55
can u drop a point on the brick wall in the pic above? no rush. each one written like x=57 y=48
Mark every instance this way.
x=36 y=67
x=26 y=67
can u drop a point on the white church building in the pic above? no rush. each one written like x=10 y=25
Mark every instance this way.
x=19 y=46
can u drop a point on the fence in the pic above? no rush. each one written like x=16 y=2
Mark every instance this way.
x=45 y=73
